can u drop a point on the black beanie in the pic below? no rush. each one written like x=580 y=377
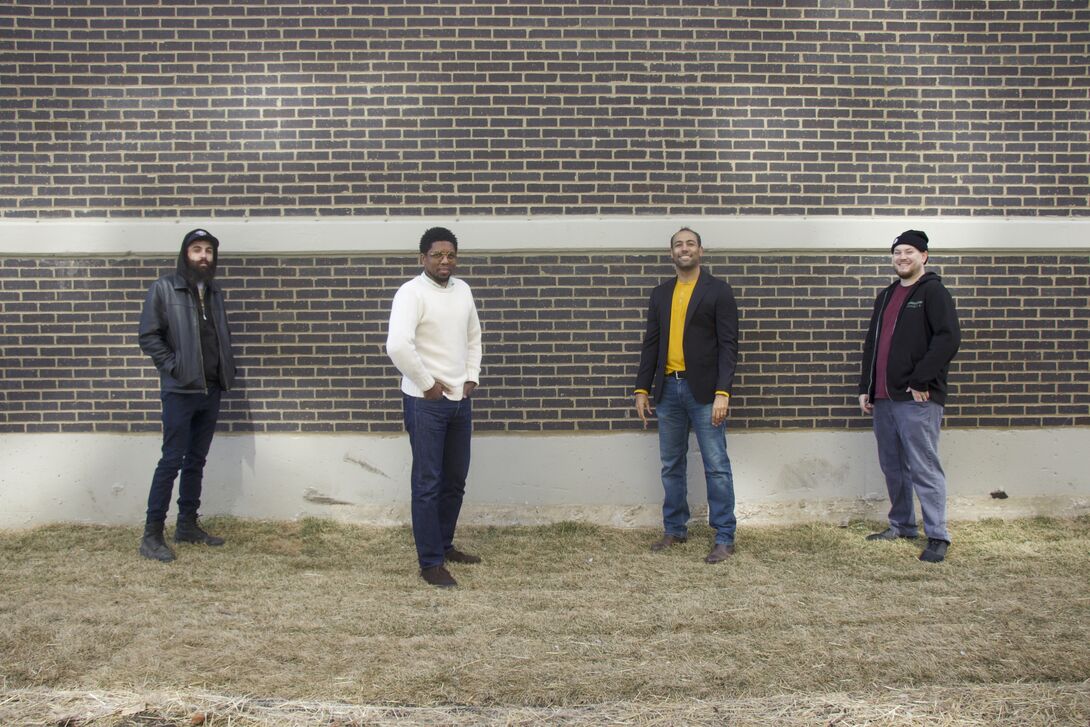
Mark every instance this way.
x=200 y=234
x=916 y=238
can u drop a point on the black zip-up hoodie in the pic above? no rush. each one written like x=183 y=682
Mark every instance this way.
x=925 y=339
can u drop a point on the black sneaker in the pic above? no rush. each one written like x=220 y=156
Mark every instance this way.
x=152 y=545
x=935 y=552
x=188 y=531
x=889 y=534
x=438 y=576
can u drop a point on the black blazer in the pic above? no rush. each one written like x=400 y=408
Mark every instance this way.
x=710 y=343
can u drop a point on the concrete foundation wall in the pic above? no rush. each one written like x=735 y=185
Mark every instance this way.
x=780 y=477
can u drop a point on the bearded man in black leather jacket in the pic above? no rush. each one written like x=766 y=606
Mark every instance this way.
x=183 y=328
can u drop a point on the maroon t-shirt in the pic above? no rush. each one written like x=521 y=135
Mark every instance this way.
x=885 y=337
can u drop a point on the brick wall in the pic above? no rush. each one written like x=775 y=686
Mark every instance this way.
x=114 y=108
x=317 y=108
x=562 y=335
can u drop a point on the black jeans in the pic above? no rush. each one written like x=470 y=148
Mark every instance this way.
x=189 y=421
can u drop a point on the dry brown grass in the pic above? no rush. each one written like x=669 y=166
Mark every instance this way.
x=1018 y=705
x=321 y=623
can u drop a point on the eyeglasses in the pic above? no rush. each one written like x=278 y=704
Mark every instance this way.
x=437 y=256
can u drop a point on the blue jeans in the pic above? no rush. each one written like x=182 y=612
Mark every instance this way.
x=907 y=433
x=678 y=413
x=189 y=421
x=439 y=433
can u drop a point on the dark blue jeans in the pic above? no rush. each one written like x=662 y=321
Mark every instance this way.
x=439 y=432
x=189 y=421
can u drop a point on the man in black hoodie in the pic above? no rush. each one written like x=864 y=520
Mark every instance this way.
x=183 y=328
x=913 y=336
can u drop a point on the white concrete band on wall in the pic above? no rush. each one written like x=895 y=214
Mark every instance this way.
x=297 y=235
x=780 y=477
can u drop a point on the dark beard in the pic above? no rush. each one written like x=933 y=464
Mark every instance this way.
x=195 y=274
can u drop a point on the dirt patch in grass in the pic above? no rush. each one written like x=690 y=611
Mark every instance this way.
x=565 y=620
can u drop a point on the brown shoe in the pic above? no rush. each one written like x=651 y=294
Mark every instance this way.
x=438 y=576
x=457 y=556
x=719 y=553
x=668 y=541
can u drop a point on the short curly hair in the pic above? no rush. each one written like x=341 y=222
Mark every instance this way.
x=436 y=234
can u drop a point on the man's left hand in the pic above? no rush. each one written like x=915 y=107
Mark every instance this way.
x=719 y=409
x=924 y=395
x=467 y=388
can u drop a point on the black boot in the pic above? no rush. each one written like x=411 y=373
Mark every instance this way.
x=152 y=545
x=188 y=531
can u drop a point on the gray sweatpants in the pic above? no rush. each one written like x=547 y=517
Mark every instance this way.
x=908 y=451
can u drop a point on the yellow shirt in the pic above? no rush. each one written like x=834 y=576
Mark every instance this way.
x=679 y=305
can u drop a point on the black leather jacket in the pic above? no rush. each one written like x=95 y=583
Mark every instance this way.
x=170 y=334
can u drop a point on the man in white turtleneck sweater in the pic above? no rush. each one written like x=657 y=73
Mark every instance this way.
x=434 y=340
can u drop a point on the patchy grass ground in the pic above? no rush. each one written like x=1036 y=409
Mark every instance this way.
x=322 y=623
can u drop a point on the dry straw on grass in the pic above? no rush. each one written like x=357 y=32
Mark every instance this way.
x=1021 y=705
x=565 y=623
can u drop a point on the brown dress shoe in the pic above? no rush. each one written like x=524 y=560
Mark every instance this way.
x=668 y=541
x=457 y=556
x=719 y=553
x=438 y=576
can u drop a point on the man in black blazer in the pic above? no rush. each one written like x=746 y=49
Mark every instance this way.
x=690 y=351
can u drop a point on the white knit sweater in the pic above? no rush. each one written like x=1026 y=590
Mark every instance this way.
x=434 y=334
